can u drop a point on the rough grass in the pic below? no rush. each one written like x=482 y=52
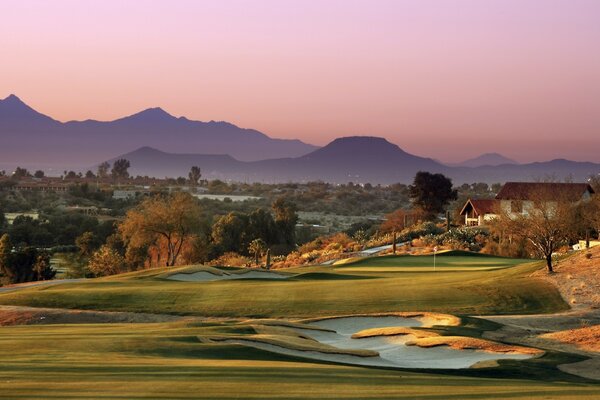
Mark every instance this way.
x=586 y=338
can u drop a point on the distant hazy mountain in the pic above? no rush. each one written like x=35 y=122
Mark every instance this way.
x=357 y=159
x=492 y=159
x=351 y=159
x=34 y=138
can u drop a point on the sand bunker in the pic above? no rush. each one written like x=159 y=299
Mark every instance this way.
x=355 y=333
x=205 y=276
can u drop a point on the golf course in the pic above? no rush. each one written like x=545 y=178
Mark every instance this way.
x=376 y=327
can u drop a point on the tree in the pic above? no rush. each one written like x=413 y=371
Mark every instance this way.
x=23 y=265
x=87 y=242
x=120 y=169
x=38 y=174
x=5 y=254
x=431 y=193
x=286 y=220
x=546 y=225
x=168 y=220
x=89 y=174
x=21 y=173
x=195 y=175
x=229 y=233
x=106 y=261
x=396 y=221
x=103 y=170
x=257 y=247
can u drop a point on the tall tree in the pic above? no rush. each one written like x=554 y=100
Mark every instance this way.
x=120 y=169
x=38 y=174
x=286 y=220
x=195 y=175
x=229 y=233
x=103 y=170
x=257 y=247
x=162 y=219
x=431 y=193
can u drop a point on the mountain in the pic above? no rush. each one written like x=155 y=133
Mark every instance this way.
x=350 y=159
x=492 y=159
x=30 y=137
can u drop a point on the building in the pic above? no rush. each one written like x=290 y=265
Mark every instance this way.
x=478 y=211
x=519 y=198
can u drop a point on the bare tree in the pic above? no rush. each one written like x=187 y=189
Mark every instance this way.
x=546 y=223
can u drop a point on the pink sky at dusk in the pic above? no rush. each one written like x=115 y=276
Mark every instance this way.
x=447 y=79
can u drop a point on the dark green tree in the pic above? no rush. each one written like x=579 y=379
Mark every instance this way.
x=286 y=220
x=431 y=193
x=195 y=175
x=120 y=169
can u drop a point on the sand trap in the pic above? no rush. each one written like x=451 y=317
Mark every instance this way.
x=393 y=350
x=205 y=276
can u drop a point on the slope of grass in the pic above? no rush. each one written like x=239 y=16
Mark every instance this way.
x=499 y=291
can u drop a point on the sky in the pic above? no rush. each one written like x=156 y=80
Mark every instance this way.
x=448 y=79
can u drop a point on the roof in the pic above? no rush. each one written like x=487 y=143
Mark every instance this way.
x=481 y=206
x=543 y=191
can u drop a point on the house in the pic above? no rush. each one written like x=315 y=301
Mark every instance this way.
x=477 y=211
x=519 y=198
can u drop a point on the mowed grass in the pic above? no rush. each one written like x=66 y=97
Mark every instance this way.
x=167 y=361
x=444 y=261
x=318 y=291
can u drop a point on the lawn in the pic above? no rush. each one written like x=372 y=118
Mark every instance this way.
x=317 y=291
x=167 y=361
x=171 y=360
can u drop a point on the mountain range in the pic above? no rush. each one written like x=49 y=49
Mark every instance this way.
x=168 y=146
x=356 y=159
x=29 y=135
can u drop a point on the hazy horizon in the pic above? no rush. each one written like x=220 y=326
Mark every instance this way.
x=446 y=80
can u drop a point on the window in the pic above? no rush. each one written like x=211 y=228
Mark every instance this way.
x=516 y=206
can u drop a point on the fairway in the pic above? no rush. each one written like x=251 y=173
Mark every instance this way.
x=318 y=291
x=208 y=354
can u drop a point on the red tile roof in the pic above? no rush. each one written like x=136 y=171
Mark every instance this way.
x=543 y=191
x=481 y=206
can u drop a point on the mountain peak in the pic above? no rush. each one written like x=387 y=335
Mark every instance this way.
x=154 y=114
x=14 y=111
x=12 y=99
x=491 y=159
x=361 y=145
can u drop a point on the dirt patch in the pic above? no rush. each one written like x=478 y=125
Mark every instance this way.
x=17 y=315
x=467 y=343
x=587 y=338
x=577 y=278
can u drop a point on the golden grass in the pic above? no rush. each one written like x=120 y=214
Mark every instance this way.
x=587 y=338
x=464 y=343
